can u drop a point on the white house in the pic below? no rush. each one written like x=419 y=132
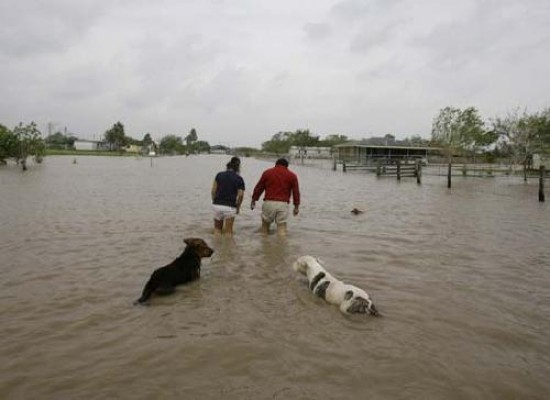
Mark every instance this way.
x=82 y=144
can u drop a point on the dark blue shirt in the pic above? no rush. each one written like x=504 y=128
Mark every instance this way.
x=229 y=182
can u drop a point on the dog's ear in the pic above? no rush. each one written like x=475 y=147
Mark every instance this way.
x=189 y=241
x=194 y=242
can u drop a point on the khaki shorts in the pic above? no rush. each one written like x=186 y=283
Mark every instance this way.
x=274 y=211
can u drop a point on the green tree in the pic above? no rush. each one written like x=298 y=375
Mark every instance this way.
x=281 y=142
x=455 y=131
x=29 y=143
x=147 y=139
x=333 y=140
x=544 y=131
x=304 y=138
x=416 y=140
x=202 y=146
x=8 y=144
x=523 y=135
x=472 y=132
x=116 y=136
x=58 y=140
x=171 y=144
x=148 y=145
x=191 y=139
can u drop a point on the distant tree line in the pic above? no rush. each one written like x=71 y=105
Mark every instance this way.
x=517 y=136
x=170 y=144
x=281 y=142
x=173 y=144
x=25 y=141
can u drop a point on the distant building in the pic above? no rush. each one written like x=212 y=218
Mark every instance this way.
x=91 y=145
x=385 y=150
x=309 y=152
x=133 y=148
x=218 y=149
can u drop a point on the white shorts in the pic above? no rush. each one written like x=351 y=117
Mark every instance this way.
x=223 y=212
x=274 y=211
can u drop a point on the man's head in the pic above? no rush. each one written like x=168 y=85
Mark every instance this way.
x=282 y=161
x=234 y=164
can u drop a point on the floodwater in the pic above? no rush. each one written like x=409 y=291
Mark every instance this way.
x=461 y=277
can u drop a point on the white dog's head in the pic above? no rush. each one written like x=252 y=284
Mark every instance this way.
x=357 y=301
x=303 y=263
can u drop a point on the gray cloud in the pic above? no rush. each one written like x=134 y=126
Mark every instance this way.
x=317 y=31
x=240 y=71
x=34 y=27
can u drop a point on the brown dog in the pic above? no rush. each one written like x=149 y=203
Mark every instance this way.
x=184 y=269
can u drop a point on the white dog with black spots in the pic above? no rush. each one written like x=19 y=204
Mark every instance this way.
x=350 y=299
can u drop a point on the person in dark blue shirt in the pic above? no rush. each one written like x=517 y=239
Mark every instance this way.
x=227 y=196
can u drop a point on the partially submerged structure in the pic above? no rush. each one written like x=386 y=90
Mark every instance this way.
x=377 y=151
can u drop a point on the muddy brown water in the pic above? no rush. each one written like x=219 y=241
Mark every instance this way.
x=461 y=277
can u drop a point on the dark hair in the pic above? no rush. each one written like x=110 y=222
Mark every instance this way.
x=234 y=164
x=282 y=161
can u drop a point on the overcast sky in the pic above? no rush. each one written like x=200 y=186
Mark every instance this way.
x=240 y=71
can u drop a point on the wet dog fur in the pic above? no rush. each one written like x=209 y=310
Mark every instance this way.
x=350 y=299
x=184 y=269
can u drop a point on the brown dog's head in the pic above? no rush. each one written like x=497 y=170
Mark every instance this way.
x=199 y=246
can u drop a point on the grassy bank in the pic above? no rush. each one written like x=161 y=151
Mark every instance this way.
x=61 y=152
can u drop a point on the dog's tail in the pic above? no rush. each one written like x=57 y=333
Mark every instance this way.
x=147 y=292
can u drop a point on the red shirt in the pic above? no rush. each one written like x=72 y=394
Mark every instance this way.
x=278 y=183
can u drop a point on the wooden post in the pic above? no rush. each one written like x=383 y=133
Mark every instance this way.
x=334 y=165
x=378 y=170
x=541 y=184
x=449 y=176
x=418 y=171
x=344 y=166
x=398 y=170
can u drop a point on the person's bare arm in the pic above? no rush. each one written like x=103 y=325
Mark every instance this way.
x=239 y=201
x=214 y=190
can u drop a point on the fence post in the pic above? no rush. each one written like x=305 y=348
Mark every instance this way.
x=334 y=165
x=398 y=170
x=541 y=184
x=343 y=166
x=378 y=170
x=418 y=172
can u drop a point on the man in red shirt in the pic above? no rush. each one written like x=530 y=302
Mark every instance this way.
x=278 y=183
